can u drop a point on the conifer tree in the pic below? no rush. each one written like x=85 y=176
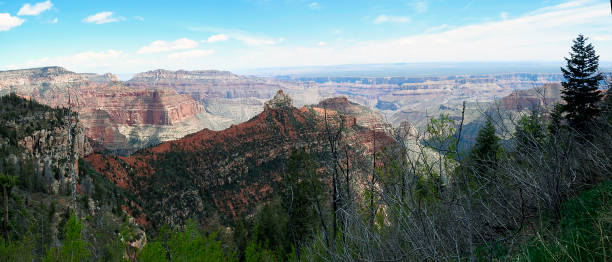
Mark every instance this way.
x=486 y=151
x=581 y=84
x=556 y=115
x=530 y=132
x=74 y=247
x=6 y=182
x=606 y=105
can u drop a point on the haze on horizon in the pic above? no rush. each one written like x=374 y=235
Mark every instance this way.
x=244 y=35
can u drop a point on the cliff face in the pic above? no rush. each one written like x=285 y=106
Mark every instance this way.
x=34 y=146
x=223 y=94
x=37 y=134
x=228 y=172
x=107 y=106
x=543 y=96
x=127 y=106
x=50 y=152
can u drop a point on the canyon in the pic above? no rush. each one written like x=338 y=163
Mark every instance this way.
x=160 y=105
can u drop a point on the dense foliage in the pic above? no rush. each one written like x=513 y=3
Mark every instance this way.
x=581 y=85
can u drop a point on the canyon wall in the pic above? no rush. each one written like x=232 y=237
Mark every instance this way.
x=109 y=109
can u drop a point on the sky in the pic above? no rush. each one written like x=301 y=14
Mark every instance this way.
x=126 y=37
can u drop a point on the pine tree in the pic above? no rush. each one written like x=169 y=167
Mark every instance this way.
x=530 y=132
x=556 y=115
x=74 y=247
x=581 y=83
x=606 y=105
x=485 y=152
x=300 y=189
x=6 y=182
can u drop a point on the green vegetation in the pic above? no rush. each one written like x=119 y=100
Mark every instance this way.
x=582 y=234
x=20 y=118
x=188 y=244
x=74 y=248
x=581 y=85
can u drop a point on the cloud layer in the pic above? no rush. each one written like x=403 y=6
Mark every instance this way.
x=217 y=38
x=191 y=54
x=164 y=46
x=102 y=18
x=391 y=19
x=35 y=9
x=7 y=21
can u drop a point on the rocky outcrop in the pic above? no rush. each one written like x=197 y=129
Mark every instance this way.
x=50 y=151
x=280 y=100
x=35 y=138
x=539 y=97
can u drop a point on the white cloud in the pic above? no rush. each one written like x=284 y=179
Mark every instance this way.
x=85 y=61
x=391 y=19
x=191 y=54
x=504 y=15
x=102 y=18
x=314 y=5
x=217 y=38
x=164 y=46
x=437 y=28
x=321 y=44
x=7 y=21
x=420 y=6
x=35 y=9
x=54 y=21
x=602 y=38
x=256 y=41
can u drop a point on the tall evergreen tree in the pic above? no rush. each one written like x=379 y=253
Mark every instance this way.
x=606 y=105
x=301 y=188
x=556 y=115
x=6 y=182
x=581 y=84
x=485 y=152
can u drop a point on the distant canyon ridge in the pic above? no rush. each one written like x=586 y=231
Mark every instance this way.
x=156 y=106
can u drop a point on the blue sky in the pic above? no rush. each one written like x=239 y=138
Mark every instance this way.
x=133 y=36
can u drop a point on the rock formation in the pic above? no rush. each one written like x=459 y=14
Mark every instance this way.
x=109 y=108
x=280 y=100
x=542 y=97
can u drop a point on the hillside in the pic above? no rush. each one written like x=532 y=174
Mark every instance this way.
x=34 y=149
x=229 y=172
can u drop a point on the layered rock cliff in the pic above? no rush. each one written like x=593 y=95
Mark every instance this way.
x=36 y=134
x=110 y=109
x=539 y=97
x=223 y=94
